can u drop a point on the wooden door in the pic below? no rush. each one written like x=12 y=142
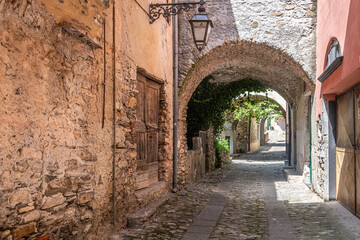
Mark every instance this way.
x=347 y=150
x=357 y=148
x=147 y=131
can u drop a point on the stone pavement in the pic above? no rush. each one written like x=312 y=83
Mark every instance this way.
x=249 y=199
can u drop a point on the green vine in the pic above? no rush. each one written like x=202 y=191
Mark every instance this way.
x=248 y=108
x=209 y=103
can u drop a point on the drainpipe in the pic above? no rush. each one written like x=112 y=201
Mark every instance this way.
x=249 y=136
x=114 y=117
x=176 y=79
x=310 y=111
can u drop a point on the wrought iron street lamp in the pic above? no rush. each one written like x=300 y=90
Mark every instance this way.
x=201 y=24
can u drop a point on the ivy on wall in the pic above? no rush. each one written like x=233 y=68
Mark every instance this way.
x=210 y=101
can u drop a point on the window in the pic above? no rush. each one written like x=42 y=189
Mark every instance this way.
x=334 y=52
x=333 y=60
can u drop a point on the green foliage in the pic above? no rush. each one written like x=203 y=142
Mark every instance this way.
x=259 y=109
x=222 y=145
x=209 y=103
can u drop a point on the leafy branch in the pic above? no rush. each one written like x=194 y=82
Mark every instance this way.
x=259 y=109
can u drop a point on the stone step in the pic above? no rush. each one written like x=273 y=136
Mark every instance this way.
x=147 y=195
x=137 y=219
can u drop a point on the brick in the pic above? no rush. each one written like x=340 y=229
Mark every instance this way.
x=45 y=236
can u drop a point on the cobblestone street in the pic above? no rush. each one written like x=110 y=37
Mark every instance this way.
x=249 y=199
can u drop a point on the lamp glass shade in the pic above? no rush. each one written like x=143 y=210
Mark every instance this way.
x=201 y=26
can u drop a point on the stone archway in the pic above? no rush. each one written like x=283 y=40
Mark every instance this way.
x=272 y=41
x=236 y=61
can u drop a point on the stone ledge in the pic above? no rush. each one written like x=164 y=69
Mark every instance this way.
x=137 y=219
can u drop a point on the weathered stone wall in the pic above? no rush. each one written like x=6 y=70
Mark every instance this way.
x=196 y=160
x=254 y=135
x=320 y=150
x=242 y=137
x=210 y=150
x=285 y=25
x=55 y=156
x=303 y=114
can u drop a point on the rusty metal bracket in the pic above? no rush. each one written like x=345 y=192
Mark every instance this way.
x=170 y=9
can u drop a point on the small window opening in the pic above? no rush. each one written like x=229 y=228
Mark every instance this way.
x=334 y=52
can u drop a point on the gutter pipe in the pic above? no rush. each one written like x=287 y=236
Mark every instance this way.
x=175 y=117
x=114 y=119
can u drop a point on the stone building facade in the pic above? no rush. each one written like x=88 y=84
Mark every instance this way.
x=68 y=114
x=336 y=165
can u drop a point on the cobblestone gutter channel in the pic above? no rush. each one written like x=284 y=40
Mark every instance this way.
x=248 y=199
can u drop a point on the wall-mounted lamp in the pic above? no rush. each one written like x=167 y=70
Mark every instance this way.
x=201 y=24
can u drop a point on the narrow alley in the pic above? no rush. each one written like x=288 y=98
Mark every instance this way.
x=169 y=119
x=249 y=199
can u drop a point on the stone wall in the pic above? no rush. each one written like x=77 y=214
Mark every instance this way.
x=303 y=134
x=319 y=159
x=242 y=137
x=196 y=160
x=254 y=135
x=210 y=150
x=56 y=158
x=285 y=25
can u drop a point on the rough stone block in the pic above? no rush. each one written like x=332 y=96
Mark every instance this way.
x=87 y=215
x=85 y=197
x=4 y=234
x=131 y=103
x=26 y=209
x=31 y=153
x=24 y=230
x=138 y=218
x=31 y=216
x=20 y=197
x=310 y=13
x=88 y=156
x=56 y=200
x=81 y=33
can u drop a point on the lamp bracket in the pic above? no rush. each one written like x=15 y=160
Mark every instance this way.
x=170 y=9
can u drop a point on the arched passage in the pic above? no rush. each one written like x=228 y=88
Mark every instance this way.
x=235 y=61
